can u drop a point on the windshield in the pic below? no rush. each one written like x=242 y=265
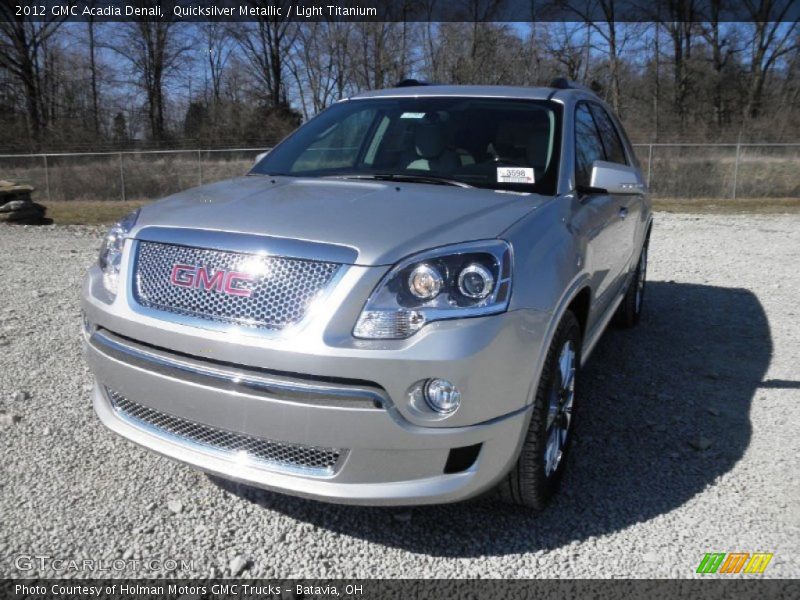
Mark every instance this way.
x=482 y=142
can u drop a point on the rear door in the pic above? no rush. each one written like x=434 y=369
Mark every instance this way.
x=630 y=206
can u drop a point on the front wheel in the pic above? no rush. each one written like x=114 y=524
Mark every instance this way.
x=536 y=476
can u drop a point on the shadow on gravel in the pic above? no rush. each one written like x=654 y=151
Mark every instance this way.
x=654 y=398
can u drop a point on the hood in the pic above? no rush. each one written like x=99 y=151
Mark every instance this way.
x=382 y=221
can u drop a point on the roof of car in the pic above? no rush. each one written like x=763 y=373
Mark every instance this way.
x=486 y=91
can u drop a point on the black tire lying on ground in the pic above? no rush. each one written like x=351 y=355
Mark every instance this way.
x=23 y=212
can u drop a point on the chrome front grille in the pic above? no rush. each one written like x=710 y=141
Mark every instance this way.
x=310 y=460
x=279 y=291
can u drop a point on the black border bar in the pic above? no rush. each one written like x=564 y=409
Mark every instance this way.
x=715 y=587
x=787 y=11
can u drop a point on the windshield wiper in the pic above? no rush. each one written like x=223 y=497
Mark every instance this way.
x=404 y=177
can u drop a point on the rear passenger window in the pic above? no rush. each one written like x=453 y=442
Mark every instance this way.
x=608 y=132
x=588 y=146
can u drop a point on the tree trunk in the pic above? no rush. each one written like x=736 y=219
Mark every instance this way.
x=613 y=67
x=93 y=70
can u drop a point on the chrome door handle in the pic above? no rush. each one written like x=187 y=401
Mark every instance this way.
x=623 y=212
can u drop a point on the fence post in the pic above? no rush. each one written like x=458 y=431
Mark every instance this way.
x=199 y=168
x=649 y=164
x=736 y=169
x=46 y=177
x=122 y=178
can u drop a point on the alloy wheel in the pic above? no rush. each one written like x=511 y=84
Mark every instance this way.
x=559 y=413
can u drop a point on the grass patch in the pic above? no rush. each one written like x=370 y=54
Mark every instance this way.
x=90 y=212
x=722 y=206
x=107 y=212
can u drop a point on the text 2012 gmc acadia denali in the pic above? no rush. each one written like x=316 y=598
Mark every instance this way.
x=392 y=307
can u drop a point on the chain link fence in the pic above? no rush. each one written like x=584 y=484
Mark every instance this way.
x=721 y=171
x=132 y=175
x=717 y=172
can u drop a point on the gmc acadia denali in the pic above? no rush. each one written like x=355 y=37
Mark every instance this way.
x=392 y=307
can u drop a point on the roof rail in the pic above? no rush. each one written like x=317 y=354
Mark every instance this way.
x=411 y=83
x=562 y=83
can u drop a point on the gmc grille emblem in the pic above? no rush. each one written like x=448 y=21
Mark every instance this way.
x=224 y=282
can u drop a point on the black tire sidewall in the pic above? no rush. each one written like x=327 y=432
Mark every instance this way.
x=637 y=313
x=627 y=314
x=526 y=484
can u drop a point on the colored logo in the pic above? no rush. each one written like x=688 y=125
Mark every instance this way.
x=226 y=282
x=734 y=562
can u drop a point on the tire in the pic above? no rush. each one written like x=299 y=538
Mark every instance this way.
x=630 y=310
x=537 y=474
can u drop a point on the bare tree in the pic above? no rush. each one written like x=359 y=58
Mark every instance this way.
x=533 y=59
x=154 y=51
x=490 y=54
x=614 y=35
x=563 y=45
x=217 y=49
x=680 y=27
x=319 y=64
x=59 y=89
x=721 y=52
x=771 y=40
x=93 y=76
x=22 y=53
x=656 y=81
x=376 y=55
x=266 y=43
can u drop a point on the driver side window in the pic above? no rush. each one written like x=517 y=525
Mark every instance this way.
x=588 y=145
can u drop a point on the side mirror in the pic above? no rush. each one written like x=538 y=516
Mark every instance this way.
x=615 y=178
x=259 y=157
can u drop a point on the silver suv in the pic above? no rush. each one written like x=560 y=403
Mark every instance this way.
x=392 y=307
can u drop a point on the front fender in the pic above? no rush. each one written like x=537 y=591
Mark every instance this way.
x=548 y=270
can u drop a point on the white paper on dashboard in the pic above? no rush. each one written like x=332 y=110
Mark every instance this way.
x=515 y=175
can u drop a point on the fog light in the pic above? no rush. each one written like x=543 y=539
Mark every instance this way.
x=442 y=396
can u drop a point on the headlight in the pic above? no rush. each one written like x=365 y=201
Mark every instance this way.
x=466 y=280
x=425 y=282
x=475 y=281
x=111 y=251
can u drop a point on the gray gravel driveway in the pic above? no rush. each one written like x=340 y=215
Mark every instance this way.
x=687 y=441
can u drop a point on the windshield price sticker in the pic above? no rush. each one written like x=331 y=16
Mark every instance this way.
x=514 y=175
x=412 y=115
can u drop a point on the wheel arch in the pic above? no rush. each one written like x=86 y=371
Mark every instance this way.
x=579 y=305
x=577 y=297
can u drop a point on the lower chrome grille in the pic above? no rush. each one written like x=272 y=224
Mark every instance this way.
x=310 y=460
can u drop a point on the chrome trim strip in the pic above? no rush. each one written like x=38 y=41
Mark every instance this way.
x=247 y=243
x=222 y=454
x=235 y=379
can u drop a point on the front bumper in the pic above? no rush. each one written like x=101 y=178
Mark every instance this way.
x=377 y=468
x=321 y=393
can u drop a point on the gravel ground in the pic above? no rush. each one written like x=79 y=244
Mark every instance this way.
x=687 y=441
